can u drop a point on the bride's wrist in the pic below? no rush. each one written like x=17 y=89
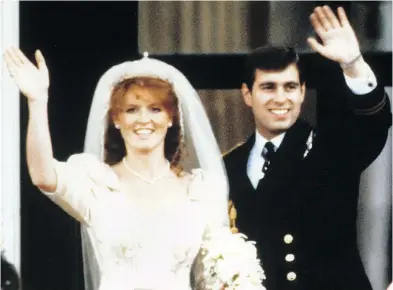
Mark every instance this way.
x=37 y=105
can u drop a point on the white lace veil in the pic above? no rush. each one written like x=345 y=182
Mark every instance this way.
x=198 y=137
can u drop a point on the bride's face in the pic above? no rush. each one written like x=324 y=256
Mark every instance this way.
x=143 y=121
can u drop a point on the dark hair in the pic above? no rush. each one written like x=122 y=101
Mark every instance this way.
x=270 y=58
x=161 y=90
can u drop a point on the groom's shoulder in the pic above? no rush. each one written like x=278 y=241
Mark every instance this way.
x=234 y=152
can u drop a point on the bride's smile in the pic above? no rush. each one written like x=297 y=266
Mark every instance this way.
x=143 y=120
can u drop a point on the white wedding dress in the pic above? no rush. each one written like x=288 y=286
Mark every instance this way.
x=142 y=240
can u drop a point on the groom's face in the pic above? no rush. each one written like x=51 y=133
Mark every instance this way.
x=275 y=99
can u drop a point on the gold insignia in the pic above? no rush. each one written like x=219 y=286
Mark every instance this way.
x=232 y=217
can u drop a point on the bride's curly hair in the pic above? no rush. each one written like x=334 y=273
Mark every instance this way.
x=161 y=90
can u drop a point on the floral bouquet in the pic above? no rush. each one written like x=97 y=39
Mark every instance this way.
x=228 y=261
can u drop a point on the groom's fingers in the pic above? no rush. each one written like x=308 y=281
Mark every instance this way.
x=317 y=47
x=317 y=24
x=343 y=17
x=331 y=17
x=322 y=18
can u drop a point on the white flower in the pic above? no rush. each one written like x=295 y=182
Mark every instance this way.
x=230 y=260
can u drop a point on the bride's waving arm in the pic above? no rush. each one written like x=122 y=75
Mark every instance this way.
x=33 y=82
x=69 y=184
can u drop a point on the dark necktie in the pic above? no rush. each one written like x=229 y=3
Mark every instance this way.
x=267 y=153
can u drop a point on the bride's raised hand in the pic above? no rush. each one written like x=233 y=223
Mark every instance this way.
x=32 y=80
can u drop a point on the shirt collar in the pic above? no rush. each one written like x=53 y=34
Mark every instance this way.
x=260 y=141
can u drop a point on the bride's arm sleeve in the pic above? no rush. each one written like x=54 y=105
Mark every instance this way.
x=79 y=181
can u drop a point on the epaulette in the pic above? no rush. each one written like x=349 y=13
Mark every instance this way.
x=233 y=148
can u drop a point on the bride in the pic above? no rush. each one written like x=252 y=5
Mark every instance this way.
x=147 y=222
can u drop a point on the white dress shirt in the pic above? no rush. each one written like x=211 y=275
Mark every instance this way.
x=256 y=161
x=359 y=86
x=364 y=85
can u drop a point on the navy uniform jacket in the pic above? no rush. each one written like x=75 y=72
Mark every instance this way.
x=303 y=212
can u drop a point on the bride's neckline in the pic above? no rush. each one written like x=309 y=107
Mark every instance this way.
x=163 y=173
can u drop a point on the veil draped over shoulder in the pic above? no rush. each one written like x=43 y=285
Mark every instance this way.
x=198 y=138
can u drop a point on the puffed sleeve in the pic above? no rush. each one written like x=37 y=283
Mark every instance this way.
x=79 y=182
x=225 y=260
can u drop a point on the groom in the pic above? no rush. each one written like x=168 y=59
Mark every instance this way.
x=295 y=188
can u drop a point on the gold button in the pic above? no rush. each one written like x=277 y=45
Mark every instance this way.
x=290 y=257
x=291 y=276
x=288 y=239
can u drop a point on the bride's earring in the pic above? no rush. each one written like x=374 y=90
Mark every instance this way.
x=169 y=125
x=117 y=126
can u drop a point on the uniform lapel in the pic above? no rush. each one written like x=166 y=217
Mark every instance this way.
x=237 y=170
x=286 y=162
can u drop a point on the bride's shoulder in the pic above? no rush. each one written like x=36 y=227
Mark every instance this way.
x=194 y=176
x=198 y=183
x=84 y=160
x=86 y=164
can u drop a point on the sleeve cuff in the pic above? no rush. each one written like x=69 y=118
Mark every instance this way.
x=363 y=85
x=60 y=182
